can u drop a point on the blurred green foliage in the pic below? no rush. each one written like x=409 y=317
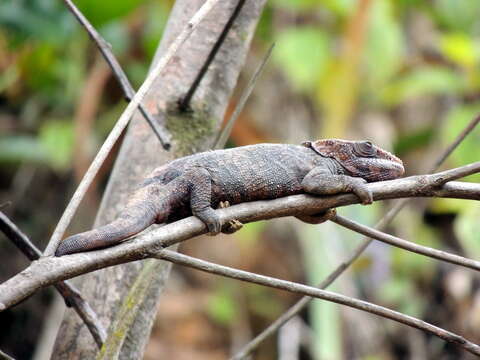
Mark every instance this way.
x=347 y=57
x=45 y=56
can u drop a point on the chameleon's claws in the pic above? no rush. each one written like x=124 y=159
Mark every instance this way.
x=223 y=204
x=231 y=226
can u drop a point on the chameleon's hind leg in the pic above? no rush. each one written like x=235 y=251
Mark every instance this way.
x=199 y=182
x=318 y=218
x=232 y=225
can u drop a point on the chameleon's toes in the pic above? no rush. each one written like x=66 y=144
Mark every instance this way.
x=318 y=218
x=223 y=204
x=232 y=226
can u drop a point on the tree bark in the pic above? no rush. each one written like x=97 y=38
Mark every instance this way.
x=108 y=289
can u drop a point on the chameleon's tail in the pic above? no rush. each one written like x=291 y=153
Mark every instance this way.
x=130 y=222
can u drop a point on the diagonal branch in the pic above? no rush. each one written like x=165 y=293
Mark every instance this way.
x=120 y=126
x=384 y=221
x=117 y=70
x=320 y=294
x=458 y=140
x=406 y=245
x=184 y=104
x=50 y=270
x=72 y=296
x=225 y=133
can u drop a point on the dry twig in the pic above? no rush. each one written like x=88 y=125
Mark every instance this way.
x=72 y=296
x=120 y=126
x=184 y=104
x=120 y=75
x=225 y=133
x=406 y=245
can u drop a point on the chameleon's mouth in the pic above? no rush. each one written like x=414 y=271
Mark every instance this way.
x=390 y=169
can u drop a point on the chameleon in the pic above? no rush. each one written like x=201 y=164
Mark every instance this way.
x=199 y=183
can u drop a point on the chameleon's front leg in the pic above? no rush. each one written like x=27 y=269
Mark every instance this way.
x=320 y=181
x=199 y=182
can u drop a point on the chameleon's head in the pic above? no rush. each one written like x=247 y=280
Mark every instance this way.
x=360 y=158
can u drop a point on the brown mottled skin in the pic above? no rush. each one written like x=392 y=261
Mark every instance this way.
x=196 y=184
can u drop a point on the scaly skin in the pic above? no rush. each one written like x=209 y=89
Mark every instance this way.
x=196 y=184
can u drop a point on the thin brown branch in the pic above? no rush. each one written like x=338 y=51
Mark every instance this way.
x=320 y=294
x=382 y=224
x=71 y=295
x=458 y=140
x=121 y=124
x=406 y=245
x=225 y=133
x=50 y=270
x=457 y=173
x=118 y=72
x=184 y=104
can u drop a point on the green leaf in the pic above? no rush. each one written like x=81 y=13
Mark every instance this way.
x=340 y=7
x=456 y=120
x=45 y=21
x=423 y=81
x=221 y=306
x=156 y=19
x=460 y=49
x=18 y=149
x=56 y=138
x=296 y=5
x=101 y=12
x=116 y=34
x=303 y=54
x=384 y=46
x=458 y=14
x=466 y=226
x=263 y=302
x=249 y=234
x=414 y=140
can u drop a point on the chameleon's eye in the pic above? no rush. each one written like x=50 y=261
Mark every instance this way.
x=365 y=148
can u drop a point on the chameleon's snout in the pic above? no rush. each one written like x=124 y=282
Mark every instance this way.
x=388 y=169
x=390 y=166
x=398 y=169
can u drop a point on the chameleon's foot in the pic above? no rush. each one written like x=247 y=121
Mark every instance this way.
x=231 y=226
x=211 y=219
x=318 y=218
x=358 y=187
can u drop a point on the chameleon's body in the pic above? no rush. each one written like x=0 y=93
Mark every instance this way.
x=196 y=184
